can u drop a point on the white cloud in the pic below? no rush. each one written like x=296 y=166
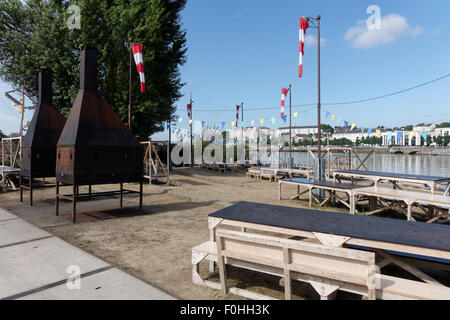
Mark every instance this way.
x=393 y=27
x=311 y=40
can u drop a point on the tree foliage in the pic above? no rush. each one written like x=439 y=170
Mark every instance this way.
x=2 y=135
x=34 y=35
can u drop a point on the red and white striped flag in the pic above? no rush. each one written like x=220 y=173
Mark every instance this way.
x=237 y=115
x=189 y=111
x=303 y=26
x=284 y=93
x=138 y=58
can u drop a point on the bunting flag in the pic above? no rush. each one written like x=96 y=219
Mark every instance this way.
x=296 y=115
x=425 y=135
x=262 y=122
x=189 y=111
x=369 y=132
x=327 y=115
x=138 y=58
x=284 y=93
x=303 y=27
x=389 y=135
x=378 y=133
x=339 y=120
x=306 y=112
x=333 y=117
x=346 y=124
x=223 y=125
x=163 y=124
x=353 y=127
x=233 y=124
x=190 y=121
x=411 y=135
x=243 y=124
x=399 y=136
x=203 y=124
x=363 y=129
x=253 y=123
x=284 y=118
x=273 y=120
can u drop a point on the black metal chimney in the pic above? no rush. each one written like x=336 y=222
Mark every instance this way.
x=45 y=87
x=88 y=69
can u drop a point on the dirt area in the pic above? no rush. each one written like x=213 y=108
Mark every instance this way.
x=155 y=245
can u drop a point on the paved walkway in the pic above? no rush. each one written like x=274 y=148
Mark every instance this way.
x=34 y=264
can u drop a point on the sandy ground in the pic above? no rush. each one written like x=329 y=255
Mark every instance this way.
x=156 y=245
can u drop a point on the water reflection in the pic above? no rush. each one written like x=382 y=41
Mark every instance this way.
x=412 y=164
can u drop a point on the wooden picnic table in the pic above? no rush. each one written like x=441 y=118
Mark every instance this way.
x=395 y=178
x=331 y=187
x=403 y=243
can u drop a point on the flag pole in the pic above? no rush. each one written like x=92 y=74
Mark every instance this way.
x=192 y=121
x=290 y=127
x=319 y=133
x=129 y=88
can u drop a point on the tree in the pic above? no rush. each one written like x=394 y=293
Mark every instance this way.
x=409 y=128
x=34 y=35
x=2 y=135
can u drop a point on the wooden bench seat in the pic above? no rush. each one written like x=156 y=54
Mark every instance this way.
x=387 y=287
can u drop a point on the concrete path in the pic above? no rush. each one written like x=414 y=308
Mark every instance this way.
x=34 y=264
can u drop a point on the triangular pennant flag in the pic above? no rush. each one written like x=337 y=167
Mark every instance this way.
x=203 y=124
x=369 y=132
x=306 y=112
x=296 y=114
x=163 y=124
x=243 y=124
x=378 y=132
x=353 y=127
x=389 y=135
x=424 y=135
x=346 y=124
x=190 y=121
x=411 y=135
x=273 y=120
x=253 y=123
x=284 y=118
x=339 y=120
x=333 y=117
x=327 y=115
x=223 y=125
x=363 y=129
x=262 y=122
x=233 y=124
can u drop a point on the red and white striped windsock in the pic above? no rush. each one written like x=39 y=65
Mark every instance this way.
x=303 y=26
x=189 y=111
x=138 y=58
x=284 y=93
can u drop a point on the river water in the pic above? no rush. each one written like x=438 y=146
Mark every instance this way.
x=411 y=164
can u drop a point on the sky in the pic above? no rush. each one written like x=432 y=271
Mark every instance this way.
x=246 y=51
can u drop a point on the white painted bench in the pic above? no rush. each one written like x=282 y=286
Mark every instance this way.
x=327 y=269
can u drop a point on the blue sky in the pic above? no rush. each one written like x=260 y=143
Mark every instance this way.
x=246 y=51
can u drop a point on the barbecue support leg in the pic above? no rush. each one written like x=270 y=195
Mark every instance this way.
x=141 y=191
x=31 y=191
x=57 y=199
x=21 y=189
x=121 y=195
x=74 y=204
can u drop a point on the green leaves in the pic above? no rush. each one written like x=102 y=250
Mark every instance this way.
x=34 y=35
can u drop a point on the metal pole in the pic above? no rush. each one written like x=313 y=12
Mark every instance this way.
x=22 y=111
x=129 y=89
x=290 y=127
x=319 y=135
x=192 y=152
x=242 y=125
